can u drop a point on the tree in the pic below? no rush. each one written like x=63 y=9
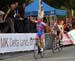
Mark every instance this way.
x=69 y=4
x=28 y=1
x=4 y=4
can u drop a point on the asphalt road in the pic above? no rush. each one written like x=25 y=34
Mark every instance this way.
x=67 y=54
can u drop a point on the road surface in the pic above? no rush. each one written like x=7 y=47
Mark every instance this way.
x=67 y=54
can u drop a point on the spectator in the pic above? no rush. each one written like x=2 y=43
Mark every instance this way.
x=26 y=20
x=1 y=16
x=68 y=27
x=41 y=12
x=17 y=11
x=10 y=13
x=1 y=20
x=22 y=10
x=73 y=23
x=9 y=17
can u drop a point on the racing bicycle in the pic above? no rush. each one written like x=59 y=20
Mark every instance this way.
x=57 y=44
x=37 y=49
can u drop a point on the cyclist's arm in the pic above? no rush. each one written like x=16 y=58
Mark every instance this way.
x=31 y=19
x=47 y=27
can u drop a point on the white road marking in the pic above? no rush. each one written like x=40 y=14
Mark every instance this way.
x=46 y=59
x=63 y=58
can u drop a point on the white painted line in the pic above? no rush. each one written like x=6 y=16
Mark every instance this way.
x=59 y=58
x=64 y=58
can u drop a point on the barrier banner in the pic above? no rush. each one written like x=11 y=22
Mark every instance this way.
x=66 y=39
x=13 y=42
x=49 y=40
x=72 y=35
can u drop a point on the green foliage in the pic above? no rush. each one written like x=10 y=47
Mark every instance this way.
x=73 y=4
x=59 y=3
x=54 y=3
x=67 y=4
x=4 y=4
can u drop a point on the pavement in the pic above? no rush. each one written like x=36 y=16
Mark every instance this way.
x=67 y=54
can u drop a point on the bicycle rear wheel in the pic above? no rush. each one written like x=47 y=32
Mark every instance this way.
x=57 y=46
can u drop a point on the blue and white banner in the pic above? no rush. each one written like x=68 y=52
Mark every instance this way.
x=14 y=42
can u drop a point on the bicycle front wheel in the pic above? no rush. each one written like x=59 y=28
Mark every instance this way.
x=35 y=51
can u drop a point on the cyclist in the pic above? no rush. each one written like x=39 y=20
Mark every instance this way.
x=58 y=31
x=40 y=30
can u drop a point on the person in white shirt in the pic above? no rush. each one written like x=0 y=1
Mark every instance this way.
x=41 y=11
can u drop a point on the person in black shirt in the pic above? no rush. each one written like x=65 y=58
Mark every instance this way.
x=9 y=18
x=25 y=19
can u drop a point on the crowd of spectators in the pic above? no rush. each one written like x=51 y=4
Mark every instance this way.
x=15 y=21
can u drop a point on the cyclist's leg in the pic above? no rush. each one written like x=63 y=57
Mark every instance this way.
x=42 y=42
x=36 y=39
x=61 y=37
x=38 y=44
